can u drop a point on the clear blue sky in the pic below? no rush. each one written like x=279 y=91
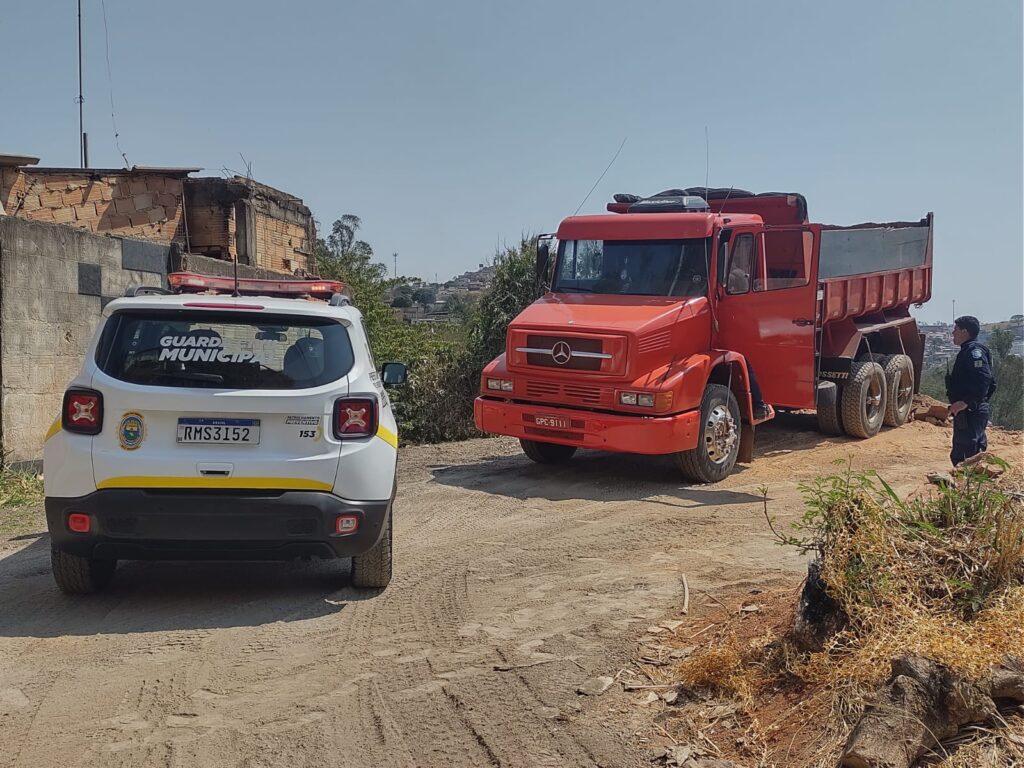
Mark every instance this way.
x=451 y=128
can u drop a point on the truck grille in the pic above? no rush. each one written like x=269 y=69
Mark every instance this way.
x=571 y=345
x=571 y=394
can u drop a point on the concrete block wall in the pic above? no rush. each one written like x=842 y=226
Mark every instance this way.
x=54 y=282
x=130 y=204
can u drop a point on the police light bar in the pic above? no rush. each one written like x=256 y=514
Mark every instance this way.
x=190 y=282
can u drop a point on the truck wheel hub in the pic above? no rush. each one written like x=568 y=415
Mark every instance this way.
x=720 y=434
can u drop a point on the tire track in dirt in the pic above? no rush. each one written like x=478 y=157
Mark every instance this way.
x=499 y=563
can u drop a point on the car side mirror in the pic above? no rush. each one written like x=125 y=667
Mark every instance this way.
x=394 y=374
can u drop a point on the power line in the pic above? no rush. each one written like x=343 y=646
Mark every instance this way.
x=110 y=85
x=614 y=158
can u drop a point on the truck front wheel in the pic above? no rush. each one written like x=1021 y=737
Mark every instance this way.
x=864 y=399
x=547 y=453
x=718 y=444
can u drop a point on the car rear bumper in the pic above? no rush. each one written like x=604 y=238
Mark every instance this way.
x=588 y=429
x=138 y=524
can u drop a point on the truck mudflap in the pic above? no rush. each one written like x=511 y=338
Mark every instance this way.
x=651 y=435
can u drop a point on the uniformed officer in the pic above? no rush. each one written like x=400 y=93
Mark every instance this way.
x=969 y=387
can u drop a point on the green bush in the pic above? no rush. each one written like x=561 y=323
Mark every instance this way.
x=445 y=362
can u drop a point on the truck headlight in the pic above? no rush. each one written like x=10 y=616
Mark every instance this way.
x=660 y=401
x=500 y=385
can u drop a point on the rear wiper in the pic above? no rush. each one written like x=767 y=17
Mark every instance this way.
x=213 y=378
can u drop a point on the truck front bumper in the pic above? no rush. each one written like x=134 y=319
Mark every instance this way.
x=138 y=524
x=588 y=429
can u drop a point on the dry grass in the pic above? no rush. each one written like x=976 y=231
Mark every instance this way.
x=21 y=495
x=940 y=574
x=20 y=489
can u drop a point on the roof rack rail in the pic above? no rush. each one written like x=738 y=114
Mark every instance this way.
x=146 y=290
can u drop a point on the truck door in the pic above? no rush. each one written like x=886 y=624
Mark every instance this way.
x=766 y=308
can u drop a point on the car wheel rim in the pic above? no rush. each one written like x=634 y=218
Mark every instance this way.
x=720 y=434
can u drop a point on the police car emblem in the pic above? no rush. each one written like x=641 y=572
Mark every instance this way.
x=131 y=432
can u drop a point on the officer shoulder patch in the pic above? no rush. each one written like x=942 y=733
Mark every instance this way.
x=979 y=363
x=976 y=354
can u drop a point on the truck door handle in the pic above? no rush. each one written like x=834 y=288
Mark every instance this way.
x=803 y=321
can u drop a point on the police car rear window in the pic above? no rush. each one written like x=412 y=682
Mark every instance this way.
x=224 y=351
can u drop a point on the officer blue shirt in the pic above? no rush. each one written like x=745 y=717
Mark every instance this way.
x=971 y=379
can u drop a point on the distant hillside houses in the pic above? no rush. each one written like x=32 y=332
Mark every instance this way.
x=939 y=345
x=473 y=281
x=422 y=302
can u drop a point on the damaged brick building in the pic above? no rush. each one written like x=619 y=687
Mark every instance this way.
x=73 y=239
x=221 y=218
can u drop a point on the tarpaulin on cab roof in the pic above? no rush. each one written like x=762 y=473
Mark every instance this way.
x=724 y=195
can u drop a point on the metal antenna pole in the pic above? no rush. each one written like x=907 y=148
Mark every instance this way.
x=81 y=98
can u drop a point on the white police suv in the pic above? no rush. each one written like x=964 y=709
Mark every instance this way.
x=208 y=424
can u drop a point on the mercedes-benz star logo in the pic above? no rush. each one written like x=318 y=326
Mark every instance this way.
x=561 y=353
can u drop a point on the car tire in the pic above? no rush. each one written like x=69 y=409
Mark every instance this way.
x=830 y=420
x=899 y=385
x=373 y=568
x=77 y=575
x=864 y=400
x=547 y=453
x=718 y=444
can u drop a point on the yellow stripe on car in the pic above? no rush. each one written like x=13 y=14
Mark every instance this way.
x=237 y=483
x=53 y=430
x=387 y=436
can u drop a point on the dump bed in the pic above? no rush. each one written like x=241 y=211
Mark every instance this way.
x=871 y=268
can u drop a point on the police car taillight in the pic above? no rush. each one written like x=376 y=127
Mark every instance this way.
x=355 y=417
x=190 y=282
x=82 y=411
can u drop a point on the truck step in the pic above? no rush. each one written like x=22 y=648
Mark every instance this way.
x=767 y=416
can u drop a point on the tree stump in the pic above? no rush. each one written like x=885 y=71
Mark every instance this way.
x=924 y=704
x=818 y=616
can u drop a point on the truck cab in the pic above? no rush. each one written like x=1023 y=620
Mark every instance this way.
x=670 y=320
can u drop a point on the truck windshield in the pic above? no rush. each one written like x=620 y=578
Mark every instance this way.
x=633 y=267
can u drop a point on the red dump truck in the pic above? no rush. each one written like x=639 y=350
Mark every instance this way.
x=664 y=319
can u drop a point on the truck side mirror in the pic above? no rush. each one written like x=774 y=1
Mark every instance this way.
x=543 y=256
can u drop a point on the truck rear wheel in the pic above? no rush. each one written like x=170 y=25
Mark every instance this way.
x=718 y=444
x=372 y=569
x=547 y=453
x=827 y=405
x=77 y=575
x=864 y=400
x=899 y=384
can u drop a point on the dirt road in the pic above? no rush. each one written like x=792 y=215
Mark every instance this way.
x=515 y=584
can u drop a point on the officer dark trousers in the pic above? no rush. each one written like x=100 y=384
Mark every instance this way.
x=969 y=433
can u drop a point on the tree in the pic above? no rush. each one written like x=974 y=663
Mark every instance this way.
x=1008 y=402
x=401 y=301
x=1001 y=342
x=425 y=297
